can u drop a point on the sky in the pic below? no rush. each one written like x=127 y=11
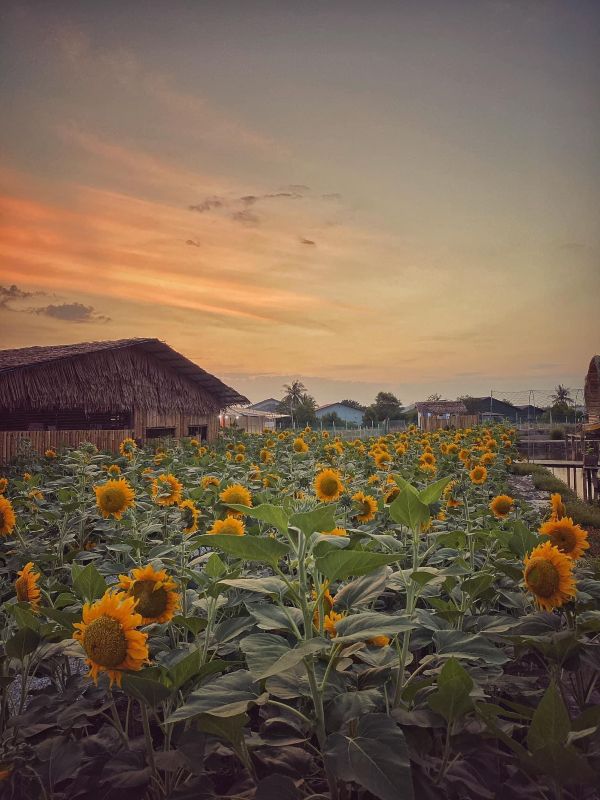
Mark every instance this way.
x=366 y=195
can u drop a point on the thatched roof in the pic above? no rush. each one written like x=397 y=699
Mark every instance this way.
x=109 y=376
x=441 y=407
x=592 y=391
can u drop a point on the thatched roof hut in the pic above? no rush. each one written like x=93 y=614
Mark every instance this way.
x=592 y=392
x=140 y=386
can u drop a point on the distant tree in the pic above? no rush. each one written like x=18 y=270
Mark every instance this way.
x=331 y=419
x=508 y=402
x=353 y=404
x=434 y=397
x=561 y=396
x=471 y=403
x=301 y=406
x=386 y=406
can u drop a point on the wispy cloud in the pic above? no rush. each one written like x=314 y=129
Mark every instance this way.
x=70 y=312
x=10 y=294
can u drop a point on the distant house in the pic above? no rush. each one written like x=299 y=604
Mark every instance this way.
x=435 y=414
x=492 y=409
x=103 y=392
x=270 y=404
x=343 y=411
x=252 y=420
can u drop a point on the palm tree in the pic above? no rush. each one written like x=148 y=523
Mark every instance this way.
x=561 y=396
x=292 y=399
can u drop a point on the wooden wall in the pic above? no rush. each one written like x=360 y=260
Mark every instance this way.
x=455 y=421
x=180 y=422
x=45 y=440
x=104 y=439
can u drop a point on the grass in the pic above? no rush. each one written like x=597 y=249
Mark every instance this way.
x=584 y=514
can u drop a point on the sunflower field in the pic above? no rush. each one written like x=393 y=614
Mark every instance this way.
x=289 y=616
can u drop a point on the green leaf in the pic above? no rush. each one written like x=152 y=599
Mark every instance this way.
x=251 y=548
x=193 y=624
x=362 y=591
x=269 y=585
x=148 y=690
x=471 y=647
x=433 y=492
x=551 y=723
x=22 y=643
x=452 y=696
x=266 y=512
x=228 y=728
x=522 y=540
x=408 y=509
x=190 y=667
x=477 y=584
x=341 y=564
x=267 y=654
x=404 y=484
x=269 y=617
x=88 y=584
x=369 y=624
x=23 y=616
x=321 y=518
x=225 y=696
x=215 y=567
x=375 y=757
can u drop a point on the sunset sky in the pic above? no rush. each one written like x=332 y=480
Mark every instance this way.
x=368 y=195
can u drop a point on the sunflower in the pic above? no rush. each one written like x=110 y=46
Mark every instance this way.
x=7 y=516
x=239 y=458
x=266 y=456
x=166 y=490
x=327 y=601
x=113 y=470
x=400 y=449
x=428 y=458
x=563 y=533
x=190 y=515
x=26 y=587
x=390 y=495
x=50 y=453
x=299 y=445
x=108 y=635
x=557 y=507
x=428 y=469
x=379 y=641
x=3 y=485
x=367 y=506
x=548 y=576
x=488 y=458
x=209 y=480
x=240 y=448
x=230 y=526
x=336 y=532
x=153 y=593
x=128 y=447
x=478 y=475
x=328 y=485
x=114 y=498
x=330 y=621
x=501 y=506
x=236 y=494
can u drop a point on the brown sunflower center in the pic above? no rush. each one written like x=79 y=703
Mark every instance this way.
x=22 y=589
x=542 y=576
x=150 y=602
x=105 y=643
x=113 y=499
x=502 y=506
x=1 y=518
x=564 y=539
x=329 y=485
